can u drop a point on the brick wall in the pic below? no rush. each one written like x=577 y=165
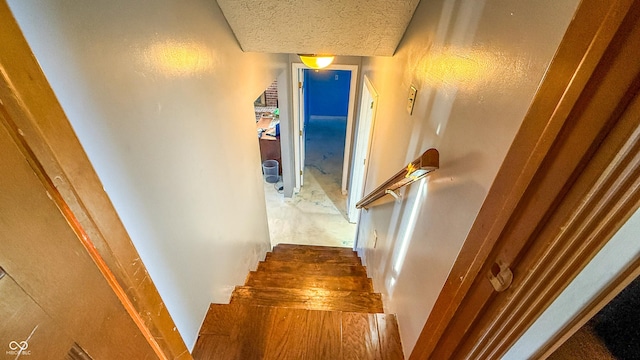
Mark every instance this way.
x=272 y=94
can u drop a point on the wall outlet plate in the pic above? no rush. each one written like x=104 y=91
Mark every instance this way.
x=412 y=99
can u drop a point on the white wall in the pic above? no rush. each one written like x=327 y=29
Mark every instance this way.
x=614 y=258
x=161 y=97
x=476 y=65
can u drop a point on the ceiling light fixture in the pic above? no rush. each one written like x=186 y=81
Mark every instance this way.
x=316 y=61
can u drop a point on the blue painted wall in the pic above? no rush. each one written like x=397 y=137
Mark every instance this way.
x=326 y=92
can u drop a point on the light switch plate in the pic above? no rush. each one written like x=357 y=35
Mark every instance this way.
x=412 y=99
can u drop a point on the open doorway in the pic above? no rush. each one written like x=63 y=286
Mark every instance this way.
x=316 y=213
x=326 y=104
x=300 y=112
x=267 y=116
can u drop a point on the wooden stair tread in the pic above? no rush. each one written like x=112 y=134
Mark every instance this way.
x=314 y=258
x=310 y=299
x=370 y=336
x=308 y=302
x=292 y=248
x=264 y=332
x=302 y=281
x=328 y=269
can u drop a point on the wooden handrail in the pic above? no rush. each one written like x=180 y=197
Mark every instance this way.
x=416 y=170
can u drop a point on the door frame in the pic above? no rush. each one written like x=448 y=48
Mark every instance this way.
x=298 y=122
x=568 y=183
x=50 y=145
x=362 y=147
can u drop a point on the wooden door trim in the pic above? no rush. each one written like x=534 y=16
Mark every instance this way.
x=585 y=45
x=48 y=142
x=7 y=121
x=599 y=202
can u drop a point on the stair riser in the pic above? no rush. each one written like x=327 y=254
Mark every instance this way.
x=297 y=281
x=332 y=252
x=312 y=269
x=313 y=259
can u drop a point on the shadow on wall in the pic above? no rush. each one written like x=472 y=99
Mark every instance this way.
x=417 y=213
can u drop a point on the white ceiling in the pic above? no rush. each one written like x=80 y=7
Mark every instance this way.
x=338 y=27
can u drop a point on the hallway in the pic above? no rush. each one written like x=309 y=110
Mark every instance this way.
x=317 y=214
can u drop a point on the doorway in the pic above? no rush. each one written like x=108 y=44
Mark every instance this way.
x=326 y=100
x=316 y=212
x=300 y=112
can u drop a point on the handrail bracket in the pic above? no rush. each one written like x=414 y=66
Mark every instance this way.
x=416 y=170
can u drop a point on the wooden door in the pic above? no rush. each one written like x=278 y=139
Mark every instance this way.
x=26 y=329
x=53 y=294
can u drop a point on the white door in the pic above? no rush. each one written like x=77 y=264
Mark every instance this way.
x=301 y=119
x=362 y=147
x=298 y=126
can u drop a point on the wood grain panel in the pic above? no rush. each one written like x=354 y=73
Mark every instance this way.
x=217 y=347
x=390 y=345
x=286 y=338
x=221 y=319
x=303 y=334
x=24 y=320
x=323 y=335
x=360 y=338
x=45 y=257
x=251 y=335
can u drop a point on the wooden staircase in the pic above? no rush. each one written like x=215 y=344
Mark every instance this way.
x=303 y=302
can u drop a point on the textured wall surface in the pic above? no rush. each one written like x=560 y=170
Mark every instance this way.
x=339 y=27
x=476 y=65
x=153 y=93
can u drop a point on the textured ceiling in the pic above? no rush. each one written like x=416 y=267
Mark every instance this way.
x=338 y=27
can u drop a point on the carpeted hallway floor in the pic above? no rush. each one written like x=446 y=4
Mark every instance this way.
x=613 y=333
